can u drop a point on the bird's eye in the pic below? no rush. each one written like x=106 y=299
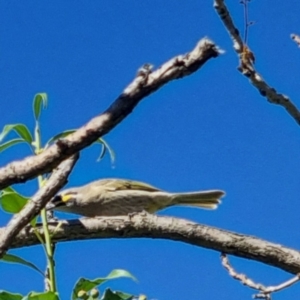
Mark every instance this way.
x=56 y=199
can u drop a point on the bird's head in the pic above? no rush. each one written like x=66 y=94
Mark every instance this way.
x=65 y=198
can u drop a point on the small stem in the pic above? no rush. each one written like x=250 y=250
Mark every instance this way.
x=49 y=247
x=39 y=237
x=49 y=252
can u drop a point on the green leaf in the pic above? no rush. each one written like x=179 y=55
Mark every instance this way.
x=106 y=147
x=41 y=296
x=119 y=273
x=40 y=100
x=18 y=260
x=4 y=295
x=10 y=143
x=59 y=136
x=116 y=295
x=87 y=285
x=8 y=189
x=12 y=201
x=20 y=129
x=102 y=153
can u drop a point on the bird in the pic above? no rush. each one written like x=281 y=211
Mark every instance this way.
x=118 y=197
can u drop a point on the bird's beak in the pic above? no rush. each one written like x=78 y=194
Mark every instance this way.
x=54 y=202
x=60 y=200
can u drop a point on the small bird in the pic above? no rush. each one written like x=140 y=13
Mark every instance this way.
x=115 y=197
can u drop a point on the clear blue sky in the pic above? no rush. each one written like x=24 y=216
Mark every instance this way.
x=210 y=130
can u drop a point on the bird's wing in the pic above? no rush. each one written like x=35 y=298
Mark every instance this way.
x=122 y=184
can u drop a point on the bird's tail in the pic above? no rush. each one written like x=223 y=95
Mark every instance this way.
x=204 y=199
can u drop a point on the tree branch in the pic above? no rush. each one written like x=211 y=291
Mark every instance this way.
x=56 y=181
x=157 y=227
x=247 y=68
x=145 y=83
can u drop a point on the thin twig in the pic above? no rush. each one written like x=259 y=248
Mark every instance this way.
x=246 y=24
x=264 y=291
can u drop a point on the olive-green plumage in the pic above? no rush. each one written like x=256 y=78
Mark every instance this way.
x=112 y=197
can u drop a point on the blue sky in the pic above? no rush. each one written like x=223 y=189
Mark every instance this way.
x=209 y=130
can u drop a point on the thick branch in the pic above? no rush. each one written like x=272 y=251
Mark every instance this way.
x=152 y=226
x=56 y=181
x=248 y=69
x=144 y=84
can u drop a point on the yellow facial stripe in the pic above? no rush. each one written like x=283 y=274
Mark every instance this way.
x=66 y=198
